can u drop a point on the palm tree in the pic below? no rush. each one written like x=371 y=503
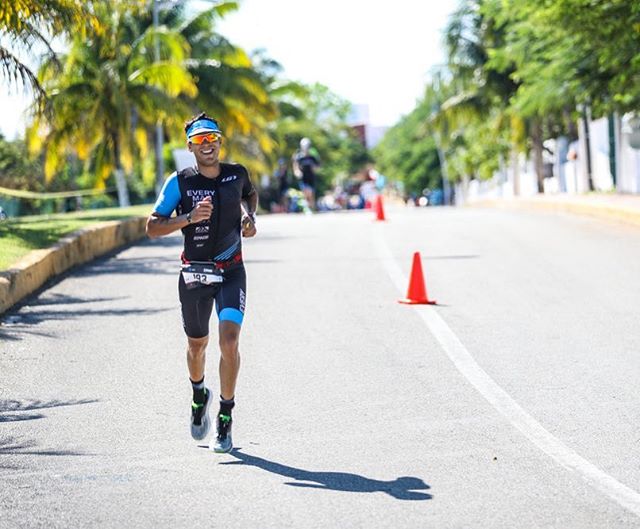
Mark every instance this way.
x=230 y=85
x=29 y=25
x=110 y=92
x=482 y=85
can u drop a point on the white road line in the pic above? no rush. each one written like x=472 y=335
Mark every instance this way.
x=500 y=400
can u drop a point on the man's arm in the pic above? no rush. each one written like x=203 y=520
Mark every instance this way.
x=249 y=204
x=158 y=225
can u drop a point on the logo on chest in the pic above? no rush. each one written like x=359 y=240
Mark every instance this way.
x=228 y=178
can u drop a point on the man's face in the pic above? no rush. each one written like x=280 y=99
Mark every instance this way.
x=206 y=148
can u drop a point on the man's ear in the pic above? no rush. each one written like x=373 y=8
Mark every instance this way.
x=189 y=146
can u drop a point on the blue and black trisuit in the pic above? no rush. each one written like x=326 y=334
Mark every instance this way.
x=216 y=242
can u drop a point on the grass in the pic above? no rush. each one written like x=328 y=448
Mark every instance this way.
x=21 y=235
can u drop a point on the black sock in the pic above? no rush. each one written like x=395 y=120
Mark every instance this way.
x=199 y=391
x=226 y=406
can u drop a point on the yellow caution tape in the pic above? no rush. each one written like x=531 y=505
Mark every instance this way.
x=19 y=193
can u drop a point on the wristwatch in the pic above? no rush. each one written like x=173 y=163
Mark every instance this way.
x=189 y=217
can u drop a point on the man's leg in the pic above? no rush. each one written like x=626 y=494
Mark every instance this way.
x=196 y=305
x=229 y=358
x=229 y=367
x=196 y=355
x=230 y=304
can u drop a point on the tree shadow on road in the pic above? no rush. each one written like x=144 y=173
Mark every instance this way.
x=21 y=410
x=131 y=265
x=13 y=446
x=13 y=410
x=22 y=320
x=402 y=488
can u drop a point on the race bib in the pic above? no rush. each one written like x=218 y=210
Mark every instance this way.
x=196 y=275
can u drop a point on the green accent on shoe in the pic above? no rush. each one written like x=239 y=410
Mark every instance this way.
x=225 y=418
x=195 y=405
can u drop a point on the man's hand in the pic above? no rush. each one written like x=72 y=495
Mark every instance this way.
x=202 y=211
x=248 y=226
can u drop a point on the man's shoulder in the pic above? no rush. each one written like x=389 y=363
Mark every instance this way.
x=230 y=166
x=187 y=172
x=231 y=169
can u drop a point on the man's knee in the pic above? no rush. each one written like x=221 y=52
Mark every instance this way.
x=229 y=338
x=197 y=346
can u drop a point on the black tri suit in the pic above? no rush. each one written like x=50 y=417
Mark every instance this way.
x=212 y=267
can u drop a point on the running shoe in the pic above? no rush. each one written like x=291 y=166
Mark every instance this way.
x=222 y=443
x=200 y=422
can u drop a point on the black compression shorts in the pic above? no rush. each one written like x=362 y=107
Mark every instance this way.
x=197 y=303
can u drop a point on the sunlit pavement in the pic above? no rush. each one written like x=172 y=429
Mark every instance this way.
x=353 y=410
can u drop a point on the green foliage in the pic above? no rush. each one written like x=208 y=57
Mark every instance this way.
x=17 y=169
x=408 y=153
x=316 y=113
x=29 y=24
x=587 y=49
x=110 y=92
x=19 y=236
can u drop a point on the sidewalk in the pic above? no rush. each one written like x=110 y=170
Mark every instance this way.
x=609 y=206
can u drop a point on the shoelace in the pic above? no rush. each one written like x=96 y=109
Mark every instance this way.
x=224 y=421
x=197 y=410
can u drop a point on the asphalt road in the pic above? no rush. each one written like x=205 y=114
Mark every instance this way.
x=513 y=403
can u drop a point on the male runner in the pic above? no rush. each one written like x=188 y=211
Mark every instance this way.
x=306 y=163
x=208 y=200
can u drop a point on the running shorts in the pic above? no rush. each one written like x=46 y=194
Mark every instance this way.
x=197 y=303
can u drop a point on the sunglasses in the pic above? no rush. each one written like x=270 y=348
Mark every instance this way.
x=210 y=137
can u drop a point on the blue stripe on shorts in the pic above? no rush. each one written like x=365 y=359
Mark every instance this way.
x=231 y=314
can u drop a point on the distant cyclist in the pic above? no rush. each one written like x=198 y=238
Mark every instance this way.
x=305 y=166
x=215 y=203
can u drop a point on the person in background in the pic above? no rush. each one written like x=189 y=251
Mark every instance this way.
x=305 y=166
x=282 y=183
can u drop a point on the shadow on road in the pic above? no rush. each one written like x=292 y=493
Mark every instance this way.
x=54 y=298
x=22 y=321
x=132 y=265
x=13 y=410
x=402 y=488
x=11 y=446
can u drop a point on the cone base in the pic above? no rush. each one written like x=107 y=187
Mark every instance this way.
x=417 y=302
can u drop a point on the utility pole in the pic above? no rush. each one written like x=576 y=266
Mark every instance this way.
x=159 y=132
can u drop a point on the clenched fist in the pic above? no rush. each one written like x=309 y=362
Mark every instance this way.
x=202 y=211
x=248 y=226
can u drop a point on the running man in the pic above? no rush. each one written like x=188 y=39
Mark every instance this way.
x=215 y=203
x=305 y=164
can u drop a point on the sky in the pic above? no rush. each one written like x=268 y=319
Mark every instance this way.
x=369 y=52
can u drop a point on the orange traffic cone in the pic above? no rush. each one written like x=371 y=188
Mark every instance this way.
x=417 y=292
x=379 y=208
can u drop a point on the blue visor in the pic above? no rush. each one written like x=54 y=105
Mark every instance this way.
x=201 y=126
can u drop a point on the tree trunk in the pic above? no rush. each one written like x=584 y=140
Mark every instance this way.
x=158 y=141
x=446 y=185
x=121 y=181
x=516 y=171
x=536 y=140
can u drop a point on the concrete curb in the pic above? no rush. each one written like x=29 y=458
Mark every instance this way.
x=602 y=210
x=36 y=268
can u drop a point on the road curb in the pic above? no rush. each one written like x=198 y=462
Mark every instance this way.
x=37 y=267
x=600 y=210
